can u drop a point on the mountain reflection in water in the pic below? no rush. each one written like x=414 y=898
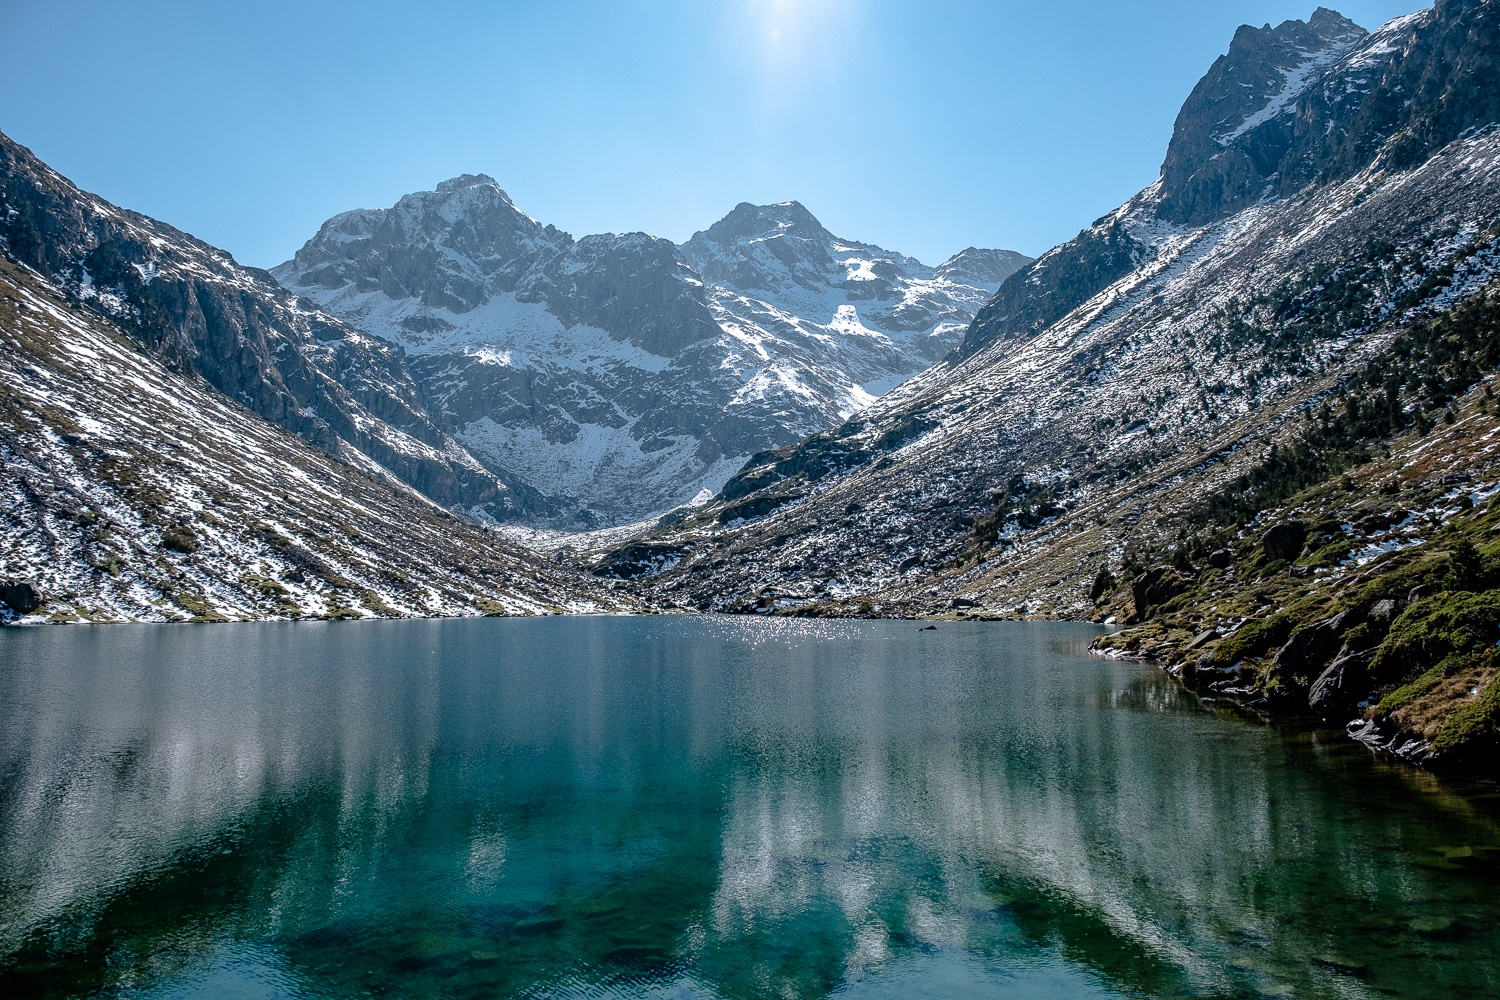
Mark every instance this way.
x=700 y=807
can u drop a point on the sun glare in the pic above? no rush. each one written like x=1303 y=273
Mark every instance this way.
x=791 y=31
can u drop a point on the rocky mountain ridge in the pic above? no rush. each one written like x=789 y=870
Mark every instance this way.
x=1208 y=337
x=1299 y=105
x=620 y=375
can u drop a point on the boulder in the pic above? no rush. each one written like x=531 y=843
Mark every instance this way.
x=1309 y=648
x=21 y=597
x=1284 y=542
x=1104 y=582
x=1156 y=587
x=1203 y=639
x=1339 y=688
x=1220 y=559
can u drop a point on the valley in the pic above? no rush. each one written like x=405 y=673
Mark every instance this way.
x=447 y=407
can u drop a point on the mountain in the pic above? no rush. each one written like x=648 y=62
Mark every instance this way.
x=781 y=257
x=1110 y=387
x=134 y=490
x=193 y=307
x=619 y=376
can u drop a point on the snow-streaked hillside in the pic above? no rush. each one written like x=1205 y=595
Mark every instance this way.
x=1112 y=383
x=135 y=493
x=192 y=306
x=619 y=375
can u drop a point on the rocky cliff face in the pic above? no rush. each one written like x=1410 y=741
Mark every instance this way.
x=1304 y=103
x=1239 y=124
x=1012 y=474
x=192 y=306
x=620 y=375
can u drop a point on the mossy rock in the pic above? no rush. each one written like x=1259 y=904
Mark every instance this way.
x=1254 y=639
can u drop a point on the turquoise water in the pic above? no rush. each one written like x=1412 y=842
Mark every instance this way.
x=689 y=807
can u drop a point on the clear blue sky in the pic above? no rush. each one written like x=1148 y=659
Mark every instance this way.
x=922 y=125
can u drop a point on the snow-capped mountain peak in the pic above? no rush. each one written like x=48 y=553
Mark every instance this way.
x=620 y=374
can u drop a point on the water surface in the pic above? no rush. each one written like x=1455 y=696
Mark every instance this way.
x=697 y=807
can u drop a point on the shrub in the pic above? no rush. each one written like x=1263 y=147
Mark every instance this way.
x=179 y=539
x=1473 y=724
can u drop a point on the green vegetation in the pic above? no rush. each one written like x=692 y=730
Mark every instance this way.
x=1473 y=726
x=1254 y=639
x=1424 y=370
x=1361 y=522
x=1435 y=629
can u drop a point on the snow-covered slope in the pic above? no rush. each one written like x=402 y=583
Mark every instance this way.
x=1121 y=376
x=131 y=492
x=611 y=373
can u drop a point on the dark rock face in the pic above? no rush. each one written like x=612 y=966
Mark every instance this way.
x=20 y=596
x=1318 y=101
x=1334 y=693
x=1058 y=282
x=1104 y=583
x=1284 y=541
x=1308 y=649
x=639 y=560
x=1235 y=128
x=1155 y=587
x=635 y=287
x=192 y=306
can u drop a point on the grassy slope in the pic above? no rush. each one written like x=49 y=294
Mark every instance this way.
x=1388 y=562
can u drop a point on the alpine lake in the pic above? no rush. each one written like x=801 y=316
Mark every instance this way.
x=685 y=807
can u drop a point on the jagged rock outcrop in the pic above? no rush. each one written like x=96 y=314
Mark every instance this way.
x=1240 y=122
x=19 y=597
x=1303 y=103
